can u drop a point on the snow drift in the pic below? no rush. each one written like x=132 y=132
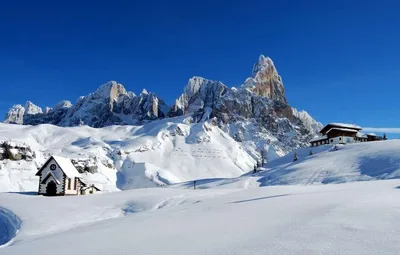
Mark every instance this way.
x=9 y=225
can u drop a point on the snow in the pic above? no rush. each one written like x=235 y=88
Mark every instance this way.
x=319 y=138
x=352 y=218
x=343 y=129
x=345 y=125
x=352 y=162
x=31 y=108
x=355 y=212
x=308 y=121
x=66 y=165
x=165 y=151
x=328 y=164
x=361 y=135
x=62 y=104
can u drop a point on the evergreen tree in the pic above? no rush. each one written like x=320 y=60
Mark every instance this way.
x=255 y=169
x=296 y=157
x=262 y=157
x=311 y=153
x=384 y=137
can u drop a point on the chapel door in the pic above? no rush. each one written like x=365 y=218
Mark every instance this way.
x=51 y=189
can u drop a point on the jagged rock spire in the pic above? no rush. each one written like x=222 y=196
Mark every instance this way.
x=265 y=80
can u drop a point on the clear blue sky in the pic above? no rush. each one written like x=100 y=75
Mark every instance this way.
x=339 y=60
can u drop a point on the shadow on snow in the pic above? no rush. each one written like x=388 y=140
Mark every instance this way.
x=26 y=193
x=259 y=198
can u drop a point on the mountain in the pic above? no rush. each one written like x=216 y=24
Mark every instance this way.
x=110 y=104
x=256 y=114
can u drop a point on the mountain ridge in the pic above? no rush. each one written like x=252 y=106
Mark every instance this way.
x=257 y=111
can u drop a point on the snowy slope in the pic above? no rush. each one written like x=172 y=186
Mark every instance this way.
x=352 y=218
x=158 y=153
x=350 y=163
x=354 y=162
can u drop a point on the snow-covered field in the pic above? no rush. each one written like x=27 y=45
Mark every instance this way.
x=351 y=218
x=238 y=215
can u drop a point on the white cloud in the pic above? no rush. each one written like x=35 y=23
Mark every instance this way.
x=382 y=130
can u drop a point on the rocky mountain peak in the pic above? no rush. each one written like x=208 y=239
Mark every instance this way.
x=62 y=104
x=31 y=108
x=262 y=64
x=111 y=89
x=15 y=115
x=265 y=81
x=199 y=93
x=47 y=109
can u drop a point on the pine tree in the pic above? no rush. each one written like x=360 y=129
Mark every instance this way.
x=311 y=153
x=384 y=137
x=262 y=157
x=255 y=169
x=296 y=157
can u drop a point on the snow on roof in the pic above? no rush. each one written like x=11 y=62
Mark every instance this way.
x=319 y=138
x=66 y=165
x=344 y=125
x=343 y=129
x=371 y=134
x=361 y=135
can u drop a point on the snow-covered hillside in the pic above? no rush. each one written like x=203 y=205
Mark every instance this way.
x=353 y=162
x=352 y=218
x=350 y=163
x=158 y=153
x=175 y=150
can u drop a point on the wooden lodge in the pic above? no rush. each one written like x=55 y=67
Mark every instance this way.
x=341 y=133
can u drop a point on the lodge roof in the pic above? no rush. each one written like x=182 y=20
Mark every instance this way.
x=339 y=125
x=343 y=129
